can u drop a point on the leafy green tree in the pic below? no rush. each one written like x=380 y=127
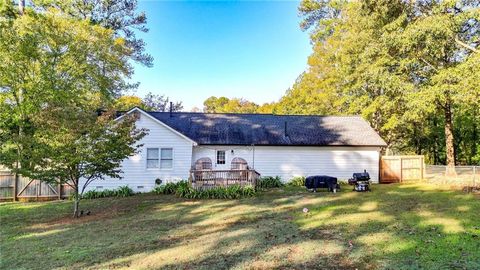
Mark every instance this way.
x=45 y=58
x=127 y=102
x=214 y=104
x=406 y=66
x=55 y=72
x=439 y=43
x=226 y=105
x=160 y=103
x=77 y=147
x=151 y=102
x=121 y=16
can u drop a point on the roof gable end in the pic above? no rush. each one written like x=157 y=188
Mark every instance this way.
x=156 y=120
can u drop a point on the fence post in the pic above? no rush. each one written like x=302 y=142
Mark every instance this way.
x=474 y=176
x=445 y=175
x=422 y=167
x=401 y=170
x=59 y=191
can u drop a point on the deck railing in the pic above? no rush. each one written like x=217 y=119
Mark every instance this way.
x=204 y=179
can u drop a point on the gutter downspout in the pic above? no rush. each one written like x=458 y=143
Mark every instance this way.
x=253 y=158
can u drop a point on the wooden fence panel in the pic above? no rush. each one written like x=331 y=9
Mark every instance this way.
x=6 y=185
x=396 y=169
x=30 y=189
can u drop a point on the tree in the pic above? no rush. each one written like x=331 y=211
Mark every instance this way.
x=226 y=105
x=430 y=41
x=118 y=15
x=45 y=58
x=125 y=103
x=351 y=70
x=151 y=102
x=311 y=94
x=160 y=103
x=55 y=72
x=402 y=65
x=214 y=104
x=266 y=108
x=82 y=147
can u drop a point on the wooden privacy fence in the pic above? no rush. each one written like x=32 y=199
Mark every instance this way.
x=396 y=169
x=27 y=189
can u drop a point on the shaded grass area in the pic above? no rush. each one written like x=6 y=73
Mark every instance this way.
x=413 y=226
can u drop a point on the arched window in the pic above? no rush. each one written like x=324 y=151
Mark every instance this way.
x=239 y=164
x=204 y=163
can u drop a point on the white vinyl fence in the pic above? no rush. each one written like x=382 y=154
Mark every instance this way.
x=464 y=175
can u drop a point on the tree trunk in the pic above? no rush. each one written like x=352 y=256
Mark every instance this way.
x=21 y=6
x=449 y=139
x=76 y=204
x=474 y=140
x=75 y=208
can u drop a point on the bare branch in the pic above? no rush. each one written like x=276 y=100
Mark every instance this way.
x=465 y=45
x=428 y=64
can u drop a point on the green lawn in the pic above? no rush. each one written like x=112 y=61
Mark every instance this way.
x=414 y=226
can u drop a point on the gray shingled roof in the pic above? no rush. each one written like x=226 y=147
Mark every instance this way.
x=268 y=129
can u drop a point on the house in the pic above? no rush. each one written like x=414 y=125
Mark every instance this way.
x=272 y=145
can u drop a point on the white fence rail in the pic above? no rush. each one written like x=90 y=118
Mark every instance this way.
x=464 y=175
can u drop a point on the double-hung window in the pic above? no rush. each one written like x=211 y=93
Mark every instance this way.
x=159 y=158
x=152 y=158
x=166 y=161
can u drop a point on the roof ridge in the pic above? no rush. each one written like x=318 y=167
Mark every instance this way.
x=270 y=114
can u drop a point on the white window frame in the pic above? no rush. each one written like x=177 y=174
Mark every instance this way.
x=224 y=157
x=159 y=158
x=172 y=159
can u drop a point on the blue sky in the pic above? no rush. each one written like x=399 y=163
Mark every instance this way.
x=249 y=49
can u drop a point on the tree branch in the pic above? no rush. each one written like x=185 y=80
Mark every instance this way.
x=430 y=65
x=465 y=45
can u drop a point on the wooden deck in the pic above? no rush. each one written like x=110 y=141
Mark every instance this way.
x=204 y=179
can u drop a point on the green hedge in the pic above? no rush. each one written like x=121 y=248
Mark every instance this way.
x=269 y=182
x=123 y=191
x=298 y=181
x=184 y=190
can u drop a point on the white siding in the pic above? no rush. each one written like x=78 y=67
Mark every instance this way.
x=135 y=172
x=290 y=161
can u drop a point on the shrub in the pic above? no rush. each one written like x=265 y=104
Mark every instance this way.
x=91 y=194
x=269 y=182
x=248 y=191
x=158 y=189
x=183 y=189
x=230 y=192
x=298 y=181
x=123 y=191
x=168 y=188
